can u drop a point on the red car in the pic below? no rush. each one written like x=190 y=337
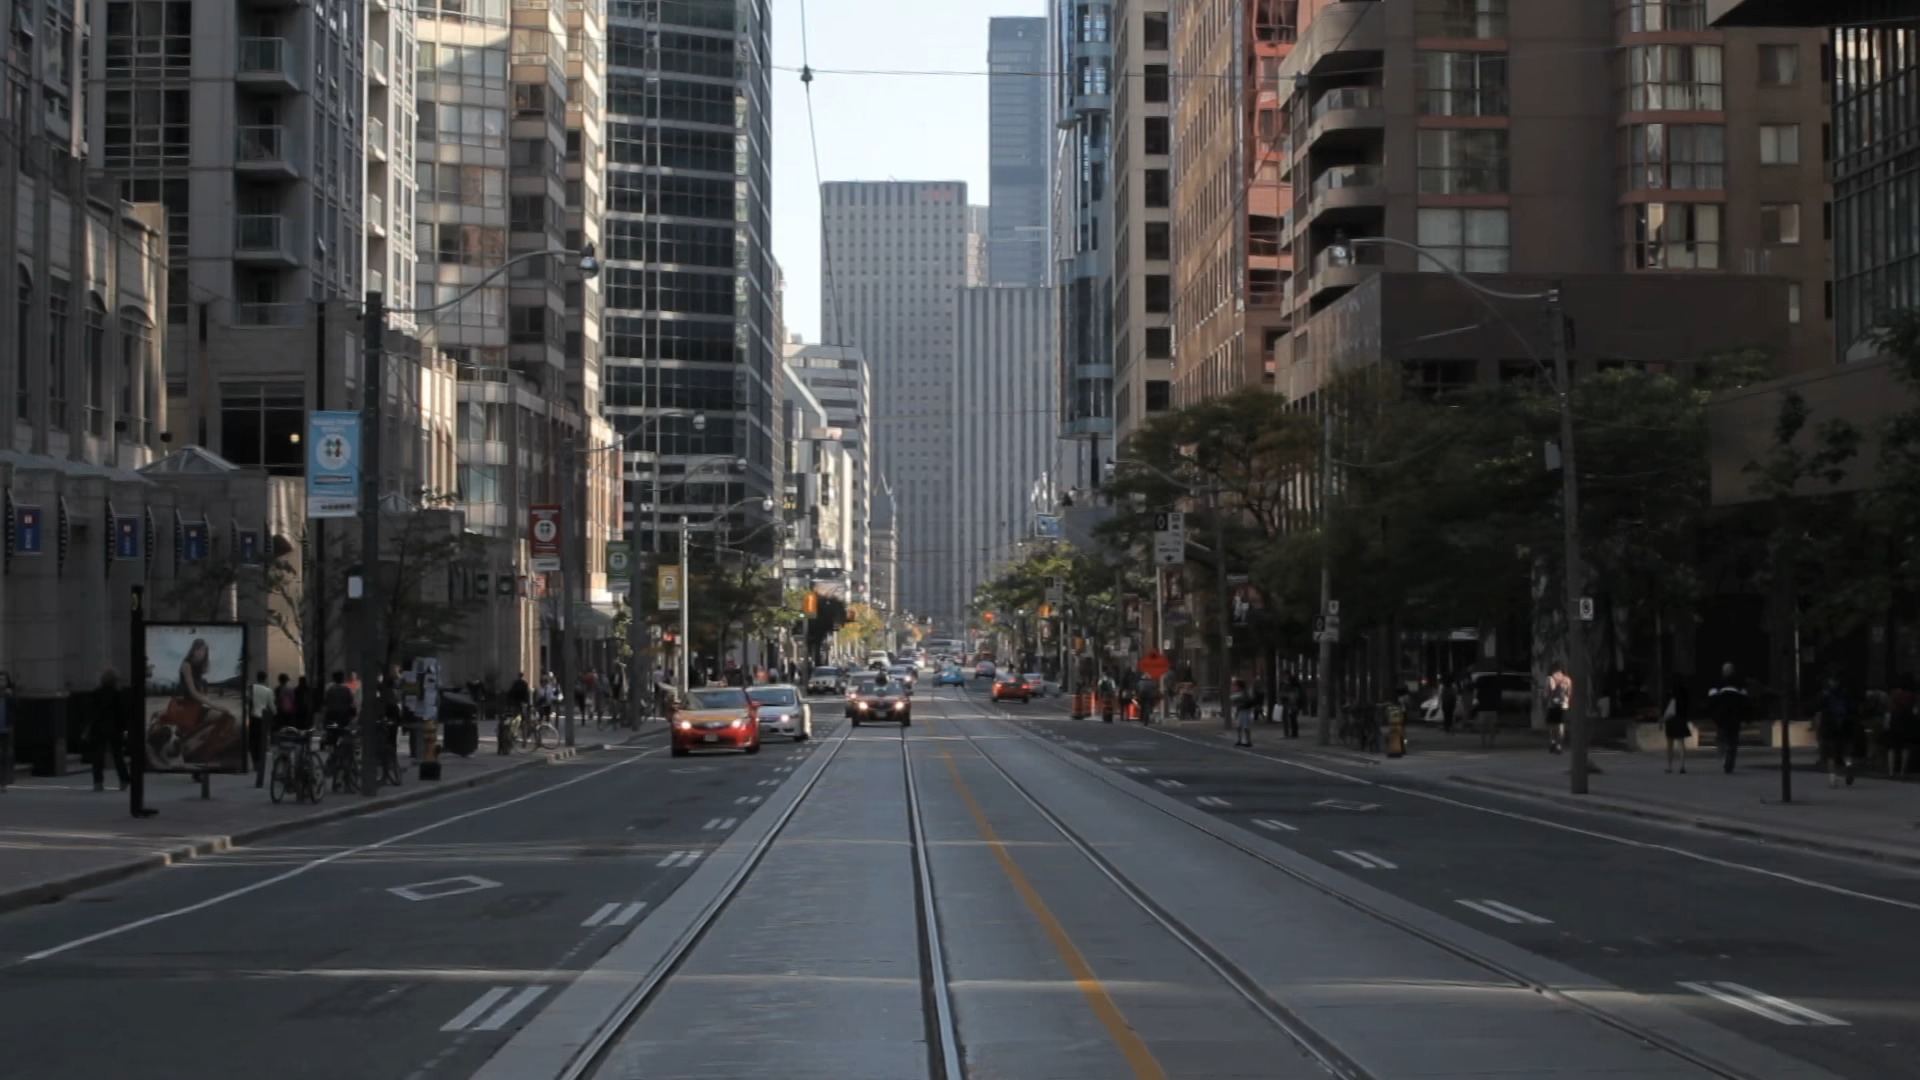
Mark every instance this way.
x=716 y=718
x=1011 y=687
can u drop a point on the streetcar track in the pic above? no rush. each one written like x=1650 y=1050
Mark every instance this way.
x=1519 y=980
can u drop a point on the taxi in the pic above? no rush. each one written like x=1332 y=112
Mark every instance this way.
x=716 y=718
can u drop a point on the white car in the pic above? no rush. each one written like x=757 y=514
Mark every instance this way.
x=1036 y=682
x=782 y=711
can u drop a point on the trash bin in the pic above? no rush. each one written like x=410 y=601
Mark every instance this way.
x=459 y=723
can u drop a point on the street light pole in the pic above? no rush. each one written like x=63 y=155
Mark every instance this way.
x=1573 y=573
x=573 y=569
x=1324 y=679
x=686 y=600
x=1222 y=602
x=373 y=654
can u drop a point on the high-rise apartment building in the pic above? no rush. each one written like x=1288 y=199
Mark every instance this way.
x=837 y=377
x=819 y=480
x=1019 y=148
x=688 y=323
x=1142 y=214
x=894 y=256
x=1081 y=47
x=1229 y=197
x=390 y=255
x=1627 y=147
x=1005 y=432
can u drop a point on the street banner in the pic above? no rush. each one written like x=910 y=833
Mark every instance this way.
x=195 y=703
x=127 y=532
x=333 y=464
x=1245 y=598
x=1131 y=605
x=196 y=541
x=670 y=588
x=1047 y=527
x=29 y=531
x=543 y=537
x=619 y=565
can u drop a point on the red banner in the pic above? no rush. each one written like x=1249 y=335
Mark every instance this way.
x=543 y=537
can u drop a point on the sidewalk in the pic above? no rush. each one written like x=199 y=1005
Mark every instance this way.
x=58 y=836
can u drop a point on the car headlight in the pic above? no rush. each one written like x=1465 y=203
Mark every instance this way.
x=899 y=705
x=741 y=722
x=860 y=705
x=685 y=725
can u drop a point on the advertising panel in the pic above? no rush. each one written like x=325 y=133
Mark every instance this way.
x=543 y=537
x=195 y=704
x=333 y=464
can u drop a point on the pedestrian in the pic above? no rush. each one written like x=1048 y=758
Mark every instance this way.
x=1838 y=723
x=1901 y=727
x=259 y=711
x=1673 y=718
x=1449 y=701
x=286 y=703
x=1728 y=705
x=336 y=707
x=1240 y=700
x=106 y=730
x=1559 y=700
x=1296 y=708
x=1486 y=708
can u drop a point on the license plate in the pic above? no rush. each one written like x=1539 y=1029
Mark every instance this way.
x=709 y=738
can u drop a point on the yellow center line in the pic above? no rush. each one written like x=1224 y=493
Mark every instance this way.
x=1132 y=1047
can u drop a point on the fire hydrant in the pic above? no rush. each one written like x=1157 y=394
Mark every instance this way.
x=1396 y=731
x=430 y=750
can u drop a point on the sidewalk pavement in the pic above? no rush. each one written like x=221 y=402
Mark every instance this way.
x=58 y=836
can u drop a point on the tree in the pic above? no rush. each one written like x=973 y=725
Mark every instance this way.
x=421 y=616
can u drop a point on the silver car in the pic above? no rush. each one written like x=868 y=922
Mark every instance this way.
x=783 y=711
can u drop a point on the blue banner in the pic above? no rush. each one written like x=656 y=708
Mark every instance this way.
x=333 y=464
x=249 y=546
x=29 y=531
x=127 y=531
x=194 y=542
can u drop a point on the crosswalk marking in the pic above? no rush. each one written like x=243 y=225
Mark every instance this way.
x=1110 y=760
x=1506 y=913
x=1169 y=784
x=488 y=1013
x=500 y=1016
x=1137 y=770
x=1778 y=1010
x=673 y=859
x=1212 y=800
x=615 y=914
x=1271 y=825
x=722 y=824
x=1368 y=860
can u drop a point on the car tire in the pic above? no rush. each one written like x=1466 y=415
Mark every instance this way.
x=753 y=747
x=855 y=719
x=906 y=721
x=680 y=751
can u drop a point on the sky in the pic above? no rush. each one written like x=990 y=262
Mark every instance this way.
x=873 y=126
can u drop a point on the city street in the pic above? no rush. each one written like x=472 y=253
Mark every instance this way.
x=990 y=892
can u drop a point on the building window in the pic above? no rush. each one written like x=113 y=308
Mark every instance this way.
x=1474 y=241
x=1463 y=162
x=1686 y=78
x=1159 y=342
x=1681 y=157
x=1159 y=395
x=1093 y=22
x=1159 y=239
x=1779 y=144
x=1463 y=83
x=1155 y=86
x=1676 y=236
x=1153 y=30
x=260 y=425
x=1159 y=293
x=95 y=390
x=57 y=329
x=1475 y=19
x=528 y=325
x=1156 y=136
x=1780 y=223
x=1641 y=16
x=1158 y=188
x=1779 y=65
x=136 y=357
x=1793 y=302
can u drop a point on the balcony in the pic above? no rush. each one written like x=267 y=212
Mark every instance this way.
x=1348 y=109
x=265 y=151
x=377 y=62
x=270 y=314
x=267 y=63
x=1347 y=36
x=1331 y=274
x=263 y=240
x=376 y=219
x=1345 y=189
x=376 y=139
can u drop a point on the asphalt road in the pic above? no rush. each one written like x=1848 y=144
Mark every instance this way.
x=1811 y=955
x=407 y=943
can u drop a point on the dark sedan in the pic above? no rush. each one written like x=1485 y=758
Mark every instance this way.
x=880 y=702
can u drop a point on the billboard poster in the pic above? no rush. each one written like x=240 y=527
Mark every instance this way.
x=619 y=565
x=668 y=587
x=543 y=537
x=333 y=464
x=195 y=703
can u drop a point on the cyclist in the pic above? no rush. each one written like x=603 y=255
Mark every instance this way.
x=519 y=696
x=336 y=705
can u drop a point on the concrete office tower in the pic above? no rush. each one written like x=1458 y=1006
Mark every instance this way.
x=1019 y=142
x=1005 y=432
x=688 y=283
x=838 y=378
x=1229 y=198
x=1670 y=172
x=1081 y=47
x=818 y=490
x=1142 y=216
x=894 y=256
x=390 y=254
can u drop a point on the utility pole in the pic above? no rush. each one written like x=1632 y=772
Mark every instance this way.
x=639 y=663
x=573 y=570
x=1324 y=681
x=686 y=601
x=373 y=653
x=1159 y=630
x=1222 y=602
x=1574 y=573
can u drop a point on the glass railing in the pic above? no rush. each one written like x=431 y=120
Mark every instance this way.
x=376 y=211
x=264 y=56
x=1346 y=176
x=377 y=135
x=1347 y=97
x=377 y=57
x=1362 y=255
x=260 y=232
x=261 y=144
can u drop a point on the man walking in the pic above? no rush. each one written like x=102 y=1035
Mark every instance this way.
x=106 y=730
x=1486 y=708
x=1727 y=704
x=1839 y=730
x=1559 y=700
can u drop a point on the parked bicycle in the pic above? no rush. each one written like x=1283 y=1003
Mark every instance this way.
x=343 y=757
x=296 y=768
x=1358 y=730
x=518 y=729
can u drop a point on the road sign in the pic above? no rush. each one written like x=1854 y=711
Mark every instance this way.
x=1586 y=609
x=543 y=537
x=1154 y=665
x=333 y=464
x=1169 y=549
x=1326 y=628
x=1173 y=521
x=670 y=581
x=1333 y=608
x=1056 y=594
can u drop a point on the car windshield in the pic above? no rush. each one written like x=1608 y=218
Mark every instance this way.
x=774 y=695
x=717 y=699
x=1034 y=676
x=826 y=672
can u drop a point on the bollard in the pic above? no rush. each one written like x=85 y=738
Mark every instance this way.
x=430 y=750
x=1396 y=731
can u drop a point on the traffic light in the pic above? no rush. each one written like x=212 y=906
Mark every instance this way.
x=1046 y=611
x=811 y=605
x=988 y=616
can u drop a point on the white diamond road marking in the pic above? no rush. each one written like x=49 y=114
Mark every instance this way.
x=1367 y=860
x=442 y=888
x=1778 y=1010
x=1212 y=800
x=1506 y=913
x=1169 y=784
x=1271 y=825
x=615 y=914
x=1342 y=804
x=489 y=1014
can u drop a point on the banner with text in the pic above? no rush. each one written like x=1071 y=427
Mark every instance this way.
x=543 y=537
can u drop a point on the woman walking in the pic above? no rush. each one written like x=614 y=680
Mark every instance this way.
x=1679 y=730
x=1901 y=728
x=1839 y=728
x=1242 y=704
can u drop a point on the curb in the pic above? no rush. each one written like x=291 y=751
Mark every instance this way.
x=1705 y=822
x=49 y=891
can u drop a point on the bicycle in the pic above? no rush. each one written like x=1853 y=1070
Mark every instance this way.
x=343 y=758
x=1359 y=731
x=296 y=768
x=519 y=729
